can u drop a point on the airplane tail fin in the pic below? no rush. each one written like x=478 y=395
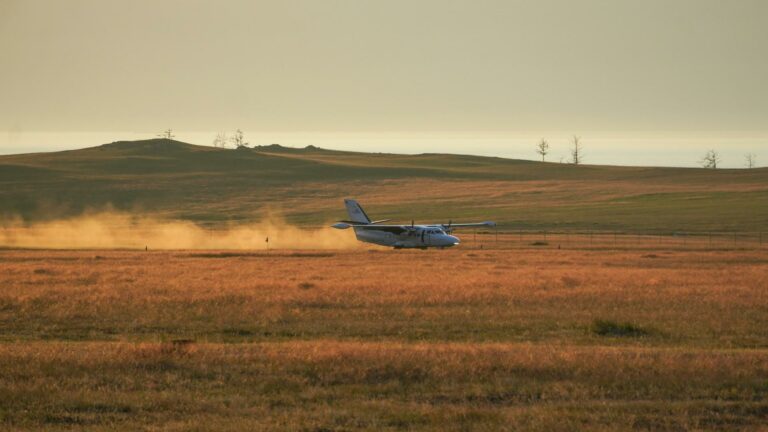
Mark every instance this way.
x=356 y=213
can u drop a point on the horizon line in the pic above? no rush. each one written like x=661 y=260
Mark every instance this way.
x=312 y=146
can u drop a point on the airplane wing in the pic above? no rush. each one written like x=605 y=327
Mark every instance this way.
x=488 y=224
x=353 y=223
x=403 y=228
x=397 y=229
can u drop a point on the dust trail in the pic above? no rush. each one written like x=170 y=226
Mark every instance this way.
x=123 y=230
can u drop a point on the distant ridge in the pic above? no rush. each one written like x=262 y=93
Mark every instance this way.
x=456 y=165
x=164 y=145
x=158 y=145
x=277 y=148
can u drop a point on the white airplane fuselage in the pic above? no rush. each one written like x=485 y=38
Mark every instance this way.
x=415 y=237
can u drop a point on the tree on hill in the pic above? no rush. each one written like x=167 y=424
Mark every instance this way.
x=750 y=160
x=238 y=139
x=543 y=149
x=710 y=159
x=167 y=134
x=577 y=153
x=221 y=140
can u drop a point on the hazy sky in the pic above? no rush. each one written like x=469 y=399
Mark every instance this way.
x=685 y=69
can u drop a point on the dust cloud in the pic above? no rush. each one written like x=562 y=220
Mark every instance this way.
x=110 y=230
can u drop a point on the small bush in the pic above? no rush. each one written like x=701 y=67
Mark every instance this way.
x=612 y=328
x=306 y=285
x=540 y=243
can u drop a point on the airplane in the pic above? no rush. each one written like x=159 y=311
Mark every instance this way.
x=401 y=236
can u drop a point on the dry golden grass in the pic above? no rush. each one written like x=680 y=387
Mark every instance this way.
x=371 y=339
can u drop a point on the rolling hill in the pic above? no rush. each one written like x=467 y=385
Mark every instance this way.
x=213 y=186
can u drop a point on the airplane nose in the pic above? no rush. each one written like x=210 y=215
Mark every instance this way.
x=453 y=240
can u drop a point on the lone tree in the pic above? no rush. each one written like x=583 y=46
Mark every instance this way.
x=238 y=139
x=220 y=140
x=577 y=154
x=750 y=160
x=710 y=159
x=543 y=149
x=167 y=134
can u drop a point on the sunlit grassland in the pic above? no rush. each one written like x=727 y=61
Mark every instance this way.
x=377 y=339
x=332 y=385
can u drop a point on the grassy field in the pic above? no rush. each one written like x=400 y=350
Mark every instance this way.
x=215 y=187
x=565 y=320
x=641 y=337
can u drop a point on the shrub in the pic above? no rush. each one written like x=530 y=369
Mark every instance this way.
x=612 y=328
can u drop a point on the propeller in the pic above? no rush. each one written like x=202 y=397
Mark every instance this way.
x=410 y=228
x=447 y=228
